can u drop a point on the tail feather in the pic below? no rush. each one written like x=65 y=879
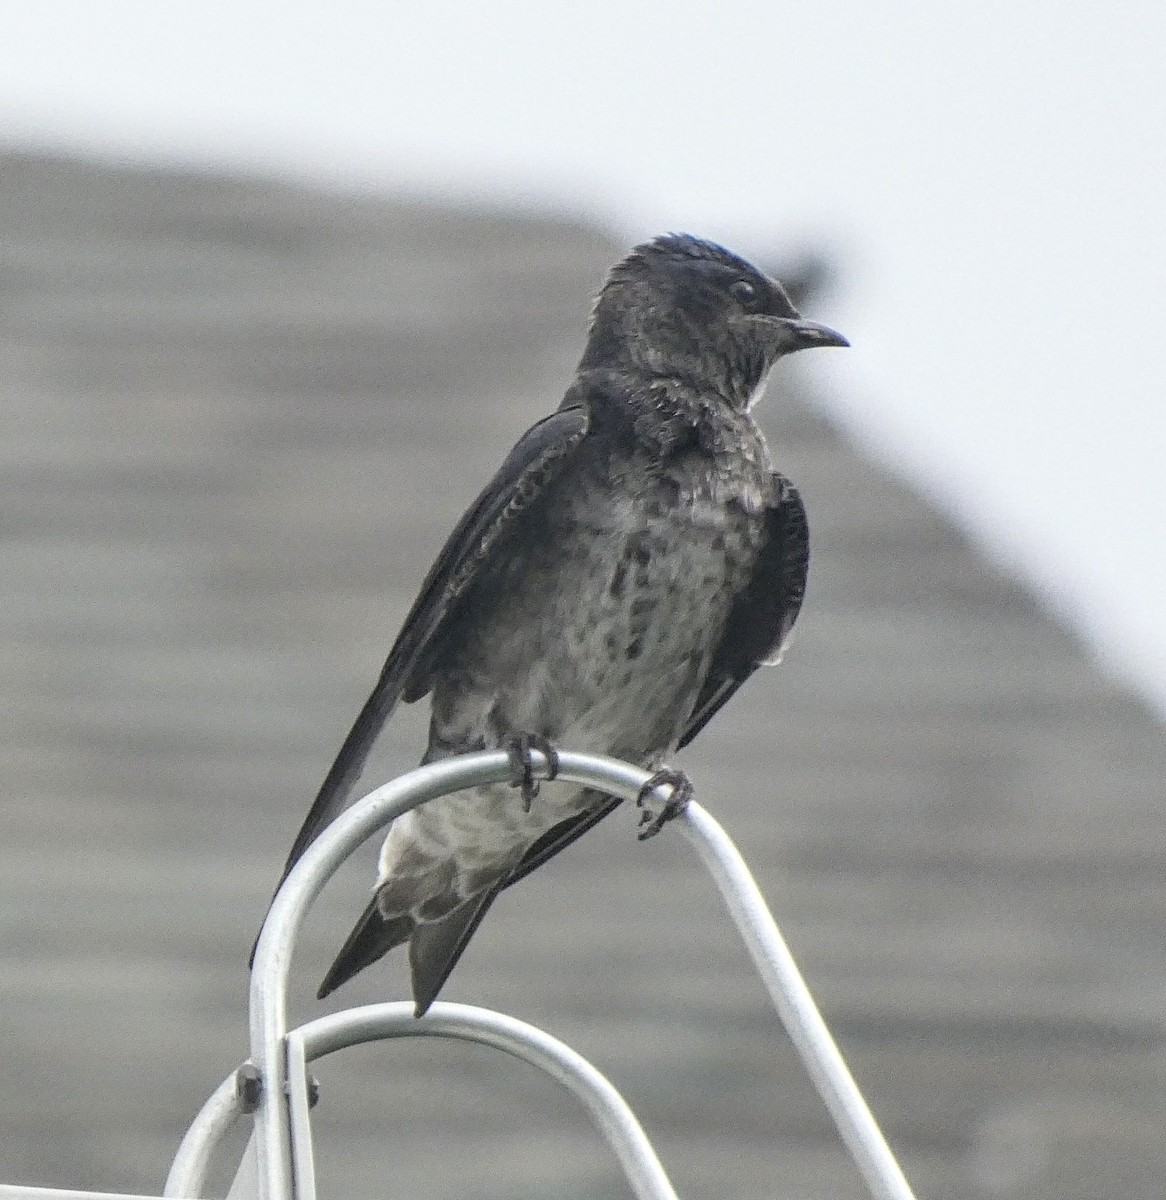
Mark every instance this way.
x=435 y=946
x=372 y=936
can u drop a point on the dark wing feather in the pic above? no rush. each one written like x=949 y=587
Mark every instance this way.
x=537 y=459
x=560 y=836
x=760 y=621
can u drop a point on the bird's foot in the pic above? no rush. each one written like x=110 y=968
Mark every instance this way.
x=518 y=747
x=682 y=791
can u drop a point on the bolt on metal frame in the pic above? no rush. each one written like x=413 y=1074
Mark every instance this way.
x=274 y=1083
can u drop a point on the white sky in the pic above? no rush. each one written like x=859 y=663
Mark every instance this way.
x=991 y=176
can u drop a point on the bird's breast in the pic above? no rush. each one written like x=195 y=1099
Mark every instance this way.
x=598 y=629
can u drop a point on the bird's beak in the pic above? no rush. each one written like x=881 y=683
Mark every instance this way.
x=796 y=333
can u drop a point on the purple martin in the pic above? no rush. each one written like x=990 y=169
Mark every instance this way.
x=631 y=564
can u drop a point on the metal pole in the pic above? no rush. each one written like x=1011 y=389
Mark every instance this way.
x=796 y=1007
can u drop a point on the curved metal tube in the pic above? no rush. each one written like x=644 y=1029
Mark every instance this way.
x=608 y=1109
x=795 y=1005
x=269 y=975
x=746 y=905
x=191 y=1164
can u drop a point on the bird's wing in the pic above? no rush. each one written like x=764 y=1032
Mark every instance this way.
x=760 y=620
x=560 y=836
x=536 y=460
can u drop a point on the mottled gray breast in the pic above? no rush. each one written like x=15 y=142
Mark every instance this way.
x=597 y=629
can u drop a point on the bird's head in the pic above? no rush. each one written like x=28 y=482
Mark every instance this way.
x=684 y=308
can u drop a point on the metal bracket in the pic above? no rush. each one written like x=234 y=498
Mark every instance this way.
x=248 y=1087
x=281 y=1147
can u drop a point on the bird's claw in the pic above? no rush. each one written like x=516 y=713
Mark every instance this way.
x=518 y=748
x=682 y=791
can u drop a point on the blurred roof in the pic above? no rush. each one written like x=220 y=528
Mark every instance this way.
x=239 y=418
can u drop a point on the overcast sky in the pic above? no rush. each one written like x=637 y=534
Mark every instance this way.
x=990 y=176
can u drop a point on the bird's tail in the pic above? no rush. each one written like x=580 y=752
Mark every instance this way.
x=373 y=936
x=435 y=946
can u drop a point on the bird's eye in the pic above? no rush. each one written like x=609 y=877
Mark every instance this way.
x=743 y=292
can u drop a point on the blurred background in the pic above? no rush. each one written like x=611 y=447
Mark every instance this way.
x=280 y=285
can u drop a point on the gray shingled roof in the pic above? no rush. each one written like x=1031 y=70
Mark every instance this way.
x=238 y=419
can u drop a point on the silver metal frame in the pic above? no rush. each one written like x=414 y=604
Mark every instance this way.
x=279 y=1164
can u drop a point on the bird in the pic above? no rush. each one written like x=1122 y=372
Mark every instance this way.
x=634 y=560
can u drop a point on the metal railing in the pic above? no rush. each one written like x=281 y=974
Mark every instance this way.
x=275 y=1085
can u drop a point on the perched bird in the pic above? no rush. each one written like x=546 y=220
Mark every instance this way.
x=634 y=560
